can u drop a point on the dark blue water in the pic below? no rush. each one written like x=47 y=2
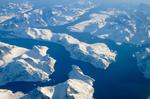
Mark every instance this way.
x=122 y=80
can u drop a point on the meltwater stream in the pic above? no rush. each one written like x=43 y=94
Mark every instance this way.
x=122 y=80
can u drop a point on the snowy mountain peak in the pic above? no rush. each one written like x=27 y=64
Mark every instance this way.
x=76 y=73
x=30 y=65
x=75 y=87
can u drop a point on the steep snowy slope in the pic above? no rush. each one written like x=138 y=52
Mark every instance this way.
x=128 y=25
x=98 y=54
x=78 y=86
x=119 y=25
x=34 y=65
x=9 y=52
x=62 y=15
x=19 y=16
x=7 y=94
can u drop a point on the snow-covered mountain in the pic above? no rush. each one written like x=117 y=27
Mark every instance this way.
x=98 y=54
x=77 y=86
x=90 y=34
x=9 y=52
x=25 y=65
x=22 y=15
x=7 y=94
x=120 y=25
